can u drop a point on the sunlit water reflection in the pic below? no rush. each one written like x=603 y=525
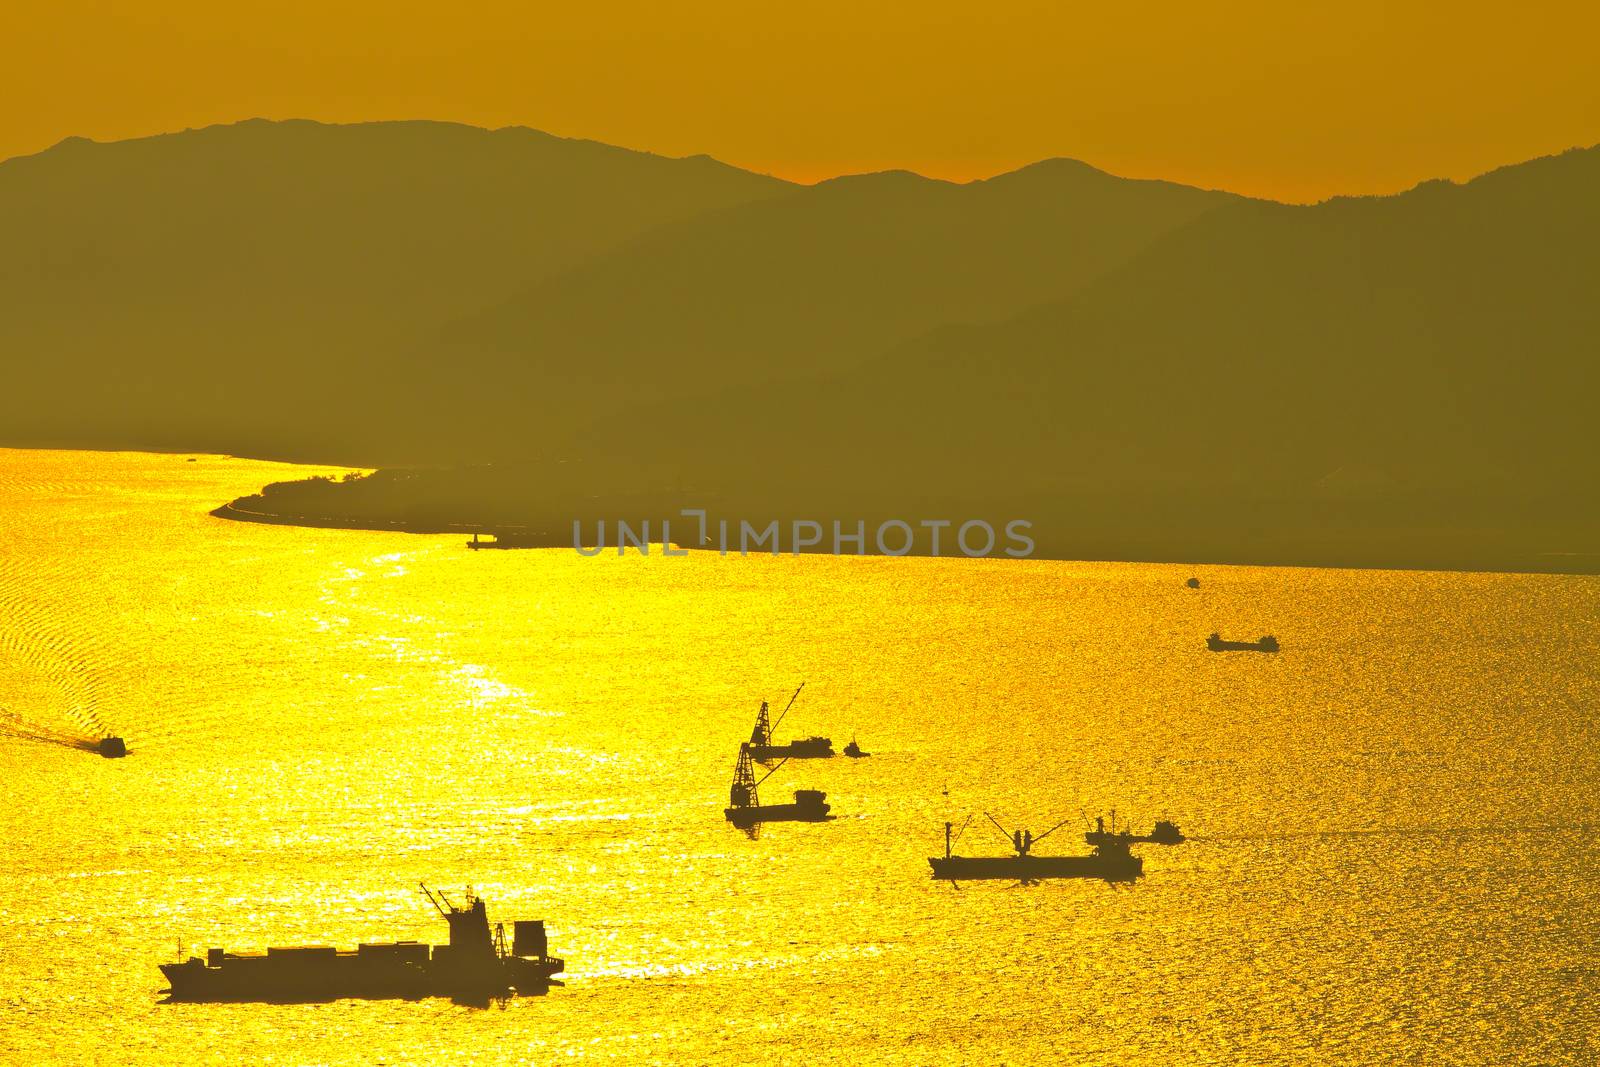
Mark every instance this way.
x=1393 y=822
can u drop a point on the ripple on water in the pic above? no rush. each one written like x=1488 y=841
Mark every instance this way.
x=1393 y=848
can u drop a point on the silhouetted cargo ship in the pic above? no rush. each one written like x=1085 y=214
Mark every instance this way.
x=1266 y=644
x=745 y=809
x=761 y=746
x=1111 y=860
x=474 y=964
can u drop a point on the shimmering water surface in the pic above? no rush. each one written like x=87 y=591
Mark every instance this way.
x=1393 y=821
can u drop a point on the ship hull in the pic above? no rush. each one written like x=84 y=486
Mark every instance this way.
x=1032 y=868
x=815 y=748
x=1094 y=838
x=344 y=976
x=744 y=817
x=509 y=542
x=1241 y=646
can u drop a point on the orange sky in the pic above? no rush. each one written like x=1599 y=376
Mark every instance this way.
x=1290 y=100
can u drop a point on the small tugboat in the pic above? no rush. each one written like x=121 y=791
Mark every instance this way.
x=745 y=809
x=1266 y=644
x=854 y=751
x=1166 y=832
x=508 y=539
x=1111 y=860
x=475 y=964
x=112 y=747
x=763 y=749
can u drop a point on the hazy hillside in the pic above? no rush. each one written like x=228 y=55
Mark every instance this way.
x=1420 y=367
x=422 y=291
x=1140 y=368
x=815 y=281
x=248 y=287
x=1441 y=339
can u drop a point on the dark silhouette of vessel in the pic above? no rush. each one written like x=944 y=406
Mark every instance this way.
x=112 y=747
x=1111 y=860
x=745 y=809
x=474 y=965
x=854 y=751
x=763 y=748
x=1166 y=832
x=508 y=539
x=1266 y=644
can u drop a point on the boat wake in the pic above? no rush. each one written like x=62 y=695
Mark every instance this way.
x=60 y=681
x=14 y=725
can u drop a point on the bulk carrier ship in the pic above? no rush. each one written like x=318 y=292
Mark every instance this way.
x=475 y=964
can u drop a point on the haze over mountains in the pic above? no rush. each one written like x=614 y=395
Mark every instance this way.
x=1141 y=368
x=256 y=287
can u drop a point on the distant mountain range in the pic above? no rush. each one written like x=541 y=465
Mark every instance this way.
x=258 y=287
x=1146 y=370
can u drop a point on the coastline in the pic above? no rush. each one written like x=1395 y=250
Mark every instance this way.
x=1413 y=550
x=1552 y=563
x=232 y=511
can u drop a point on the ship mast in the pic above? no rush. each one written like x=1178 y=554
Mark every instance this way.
x=743 y=793
x=745 y=783
x=1014 y=838
x=435 y=901
x=786 y=708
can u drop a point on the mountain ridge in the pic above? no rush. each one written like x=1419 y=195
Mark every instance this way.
x=1130 y=359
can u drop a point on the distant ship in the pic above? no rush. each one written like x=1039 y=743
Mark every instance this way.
x=1111 y=860
x=1166 y=832
x=854 y=751
x=745 y=809
x=112 y=747
x=474 y=964
x=1266 y=644
x=761 y=745
x=508 y=539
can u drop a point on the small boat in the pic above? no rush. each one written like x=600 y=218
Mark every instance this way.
x=476 y=963
x=1111 y=860
x=112 y=747
x=1265 y=644
x=763 y=748
x=509 y=539
x=745 y=809
x=1166 y=832
x=854 y=751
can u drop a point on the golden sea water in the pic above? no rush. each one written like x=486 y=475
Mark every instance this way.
x=1393 y=822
